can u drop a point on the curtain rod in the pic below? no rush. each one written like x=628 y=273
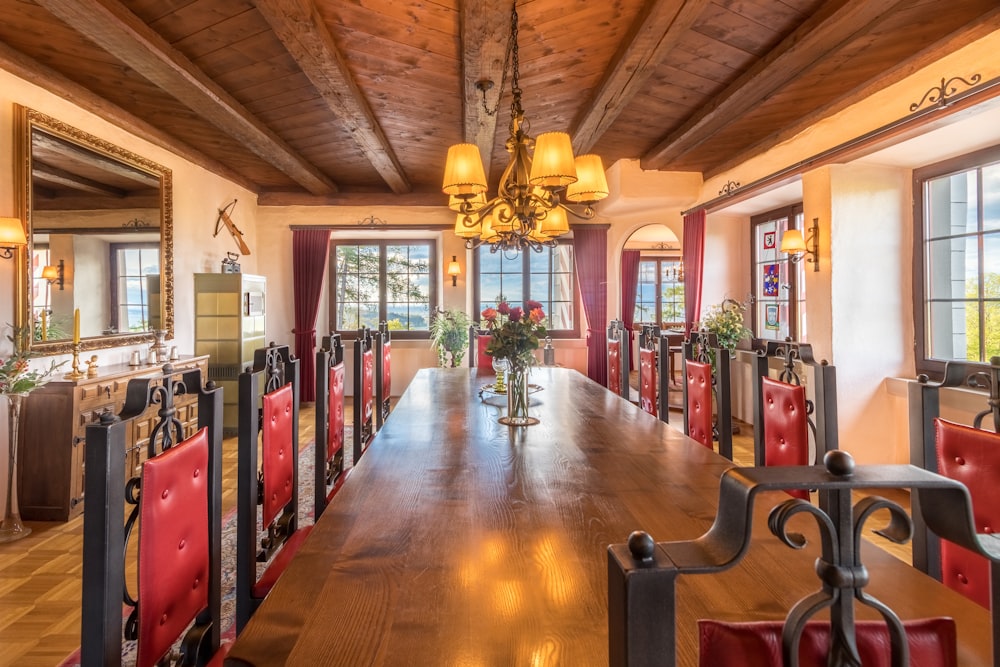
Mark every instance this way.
x=959 y=102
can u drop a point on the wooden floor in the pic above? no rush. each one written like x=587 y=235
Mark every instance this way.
x=40 y=575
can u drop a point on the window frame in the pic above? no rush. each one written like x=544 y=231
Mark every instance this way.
x=659 y=260
x=116 y=276
x=433 y=286
x=975 y=160
x=526 y=273
x=794 y=213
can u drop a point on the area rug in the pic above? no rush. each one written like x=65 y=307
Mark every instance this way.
x=306 y=477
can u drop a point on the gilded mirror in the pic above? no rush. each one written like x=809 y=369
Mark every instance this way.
x=100 y=239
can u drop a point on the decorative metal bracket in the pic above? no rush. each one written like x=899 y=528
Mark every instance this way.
x=729 y=188
x=940 y=95
x=643 y=572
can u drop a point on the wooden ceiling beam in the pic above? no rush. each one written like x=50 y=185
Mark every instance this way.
x=31 y=70
x=308 y=40
x=821 y=34
x=485 y=32
x=118 y=31
x=48 y=145
x=970 y=32
x=654 y=35
x=49 y=174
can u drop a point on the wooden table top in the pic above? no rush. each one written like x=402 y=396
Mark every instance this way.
x=458 y=541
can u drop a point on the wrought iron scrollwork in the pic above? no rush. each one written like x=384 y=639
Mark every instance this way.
x=729 y=188
x=941 y=94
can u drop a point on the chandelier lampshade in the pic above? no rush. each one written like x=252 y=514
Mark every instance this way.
x=591 y=184
x=528 y=210
x=463 y=173
x=552 y=165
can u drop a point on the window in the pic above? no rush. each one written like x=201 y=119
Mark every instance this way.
x=778 y=310
x=957 y=251
x=41 y=290
x=376 y=281
x=133 y=265
x=546 y=277
x=660 y=292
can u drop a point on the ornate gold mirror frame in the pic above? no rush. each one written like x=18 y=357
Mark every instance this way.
x=30 y=126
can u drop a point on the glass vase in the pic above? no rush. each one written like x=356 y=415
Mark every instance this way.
x=11 y=528
x=517 y=398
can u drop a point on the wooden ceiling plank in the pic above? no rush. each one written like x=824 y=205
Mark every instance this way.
x=28 y=69
x=307 y=39
x=657 y=32
x=813 y=40
x=50 y=174
x=43 y=142
x=979 y=27
x=114 y=28
x=485 y=30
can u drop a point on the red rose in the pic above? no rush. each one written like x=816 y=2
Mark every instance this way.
x=503 y=308
x=530 y=305
x=515 y=314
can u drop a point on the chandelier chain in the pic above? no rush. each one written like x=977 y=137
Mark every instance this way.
x=510 y=58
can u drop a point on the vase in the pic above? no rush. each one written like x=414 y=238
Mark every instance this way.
x=11 y=528
x=517 y=398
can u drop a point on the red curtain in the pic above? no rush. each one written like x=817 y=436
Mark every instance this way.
x=630 y=280
x=310 y=252
x=694 y=266
x=591 y=245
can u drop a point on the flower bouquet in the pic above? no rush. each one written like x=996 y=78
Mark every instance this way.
x=515 y=333
x=725 y=320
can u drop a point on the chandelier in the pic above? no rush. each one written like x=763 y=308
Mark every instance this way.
x=536 y=190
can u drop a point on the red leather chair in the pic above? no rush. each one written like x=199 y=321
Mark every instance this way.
x=615 y=365
x=329 y=422
x=274 y=484
x=383 y=373
x=478 y=340
x=932 y=643
x=786 y=426
x=174 y=554
x=971 y=456
x=364 y=392
x=698 y=410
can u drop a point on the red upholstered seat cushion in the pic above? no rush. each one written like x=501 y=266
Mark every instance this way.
x=367 y=384
x=647 y=380
x=483 y=360
x=932 y=643
x=278 y=452
x=786 y=427
x=335 y=412
x=971 y=456
x=614 y=366
x=280 y=562
x=173 y=545
x=699 y=401
x=386 y=369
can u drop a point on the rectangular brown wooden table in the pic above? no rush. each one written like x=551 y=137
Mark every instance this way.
x=460 y=542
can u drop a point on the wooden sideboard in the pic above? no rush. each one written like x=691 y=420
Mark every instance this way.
x=53 y=433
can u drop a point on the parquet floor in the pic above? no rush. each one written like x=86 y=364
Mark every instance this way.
x=40 y=575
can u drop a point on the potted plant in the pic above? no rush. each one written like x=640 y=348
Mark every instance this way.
x=450 y=336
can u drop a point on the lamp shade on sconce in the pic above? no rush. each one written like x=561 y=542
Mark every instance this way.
x=463 y=172
x=454 y=270
x=792 y=242
x=552 y=165
x=50 y=273
x=11 y=236
x=591 y=185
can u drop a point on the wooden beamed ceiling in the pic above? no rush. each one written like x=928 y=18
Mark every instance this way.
x=333 y=101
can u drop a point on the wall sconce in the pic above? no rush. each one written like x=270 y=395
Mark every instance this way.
x=11 y=236
x=56 y=274
x=797 y=248
x=454 y=270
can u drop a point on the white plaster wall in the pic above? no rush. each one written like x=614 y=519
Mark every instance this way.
x=727 y=259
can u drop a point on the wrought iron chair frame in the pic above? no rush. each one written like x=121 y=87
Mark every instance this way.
x=273 y=367
x=364 y=430
x=701 y=347
x=329 y=473
x=822 y=412
x=383 y=346
x=105 y=535
x=618 y=332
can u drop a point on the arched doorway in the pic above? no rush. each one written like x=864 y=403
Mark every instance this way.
x=658 y=281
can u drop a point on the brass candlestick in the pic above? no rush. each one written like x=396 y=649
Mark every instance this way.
x=76 y=373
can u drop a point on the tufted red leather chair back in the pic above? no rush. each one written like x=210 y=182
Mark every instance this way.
x=971 y=456
x=386 y=378
x=699 y=401
x=615 y=366
x=173 y=545
x=483 y=360
x=367 y=384
x=277 y=452
x=647 y=380
x=932 y=643
x=335 y=410
x=786 y=427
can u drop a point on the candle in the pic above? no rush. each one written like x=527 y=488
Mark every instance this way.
x=45 y=326
x=76 y=327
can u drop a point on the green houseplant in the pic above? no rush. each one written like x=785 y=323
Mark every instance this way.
x=450 y=336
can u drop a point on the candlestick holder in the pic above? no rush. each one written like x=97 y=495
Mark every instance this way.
x=76 y=373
